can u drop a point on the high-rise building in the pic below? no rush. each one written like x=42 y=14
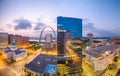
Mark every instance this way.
x=3 y=39
x=61 y=42
x=48 y=38
x=61 y=50
x=73 y=25
x=68 y=29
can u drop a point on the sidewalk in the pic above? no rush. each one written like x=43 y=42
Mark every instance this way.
x=87 y=69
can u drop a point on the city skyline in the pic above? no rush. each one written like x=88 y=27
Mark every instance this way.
x=59 y=37
x=25 y=17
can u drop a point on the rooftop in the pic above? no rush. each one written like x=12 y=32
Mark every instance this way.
x=18 y=51
x=13 y=43
x=39 y=64
x=7 y=50
x=101 y=50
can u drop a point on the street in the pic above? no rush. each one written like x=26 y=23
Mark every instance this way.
x=87 y=69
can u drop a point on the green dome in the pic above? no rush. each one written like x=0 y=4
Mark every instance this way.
x=13 y=43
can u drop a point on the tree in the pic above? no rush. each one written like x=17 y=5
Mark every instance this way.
x=115 y=59
x=110 y=66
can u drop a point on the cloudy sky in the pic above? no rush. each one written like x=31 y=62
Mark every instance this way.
x=27 y=17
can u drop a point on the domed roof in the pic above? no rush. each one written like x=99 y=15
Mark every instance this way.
x=13 y=43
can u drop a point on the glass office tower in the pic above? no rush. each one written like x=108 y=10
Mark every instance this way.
x=73 y=25
x=67 y=26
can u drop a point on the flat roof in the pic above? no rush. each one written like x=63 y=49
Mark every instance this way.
x=96 y=52
x=39 y=64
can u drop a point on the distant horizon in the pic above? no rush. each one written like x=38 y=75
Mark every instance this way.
x=48 y=32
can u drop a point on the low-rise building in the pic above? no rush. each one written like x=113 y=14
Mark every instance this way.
x=100 y=57
x=7 y=54
x=20 y=40
x=14 y=53
x=42 y=64
x=19 y=54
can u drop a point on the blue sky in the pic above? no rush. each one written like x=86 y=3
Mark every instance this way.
x=100 y=17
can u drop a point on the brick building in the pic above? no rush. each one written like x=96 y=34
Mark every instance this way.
x=20 y=40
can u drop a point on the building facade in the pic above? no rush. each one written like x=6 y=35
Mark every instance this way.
x=61 y=49
x=73 y=25
x=20 y=40
x=3 y=39
x=68 y=29
x=90 y=37
x=48 y=38
x=62 y=34
x=100 y=57
x=14 y=53
x=19 y=54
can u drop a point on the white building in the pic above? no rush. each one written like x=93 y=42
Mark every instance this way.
x=14 y=53
x=7 y=53
x=100 y=57
x=19 y=54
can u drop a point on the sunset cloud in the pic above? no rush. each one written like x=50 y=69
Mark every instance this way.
x=39 y=26
x=22 y=24
x=89 y=27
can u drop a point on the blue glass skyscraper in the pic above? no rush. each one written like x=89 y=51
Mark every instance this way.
x=69 y=30
x=73 y=25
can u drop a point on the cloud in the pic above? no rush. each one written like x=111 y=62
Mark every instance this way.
x=39 y=25
x=88 y=27
x=22 y=24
